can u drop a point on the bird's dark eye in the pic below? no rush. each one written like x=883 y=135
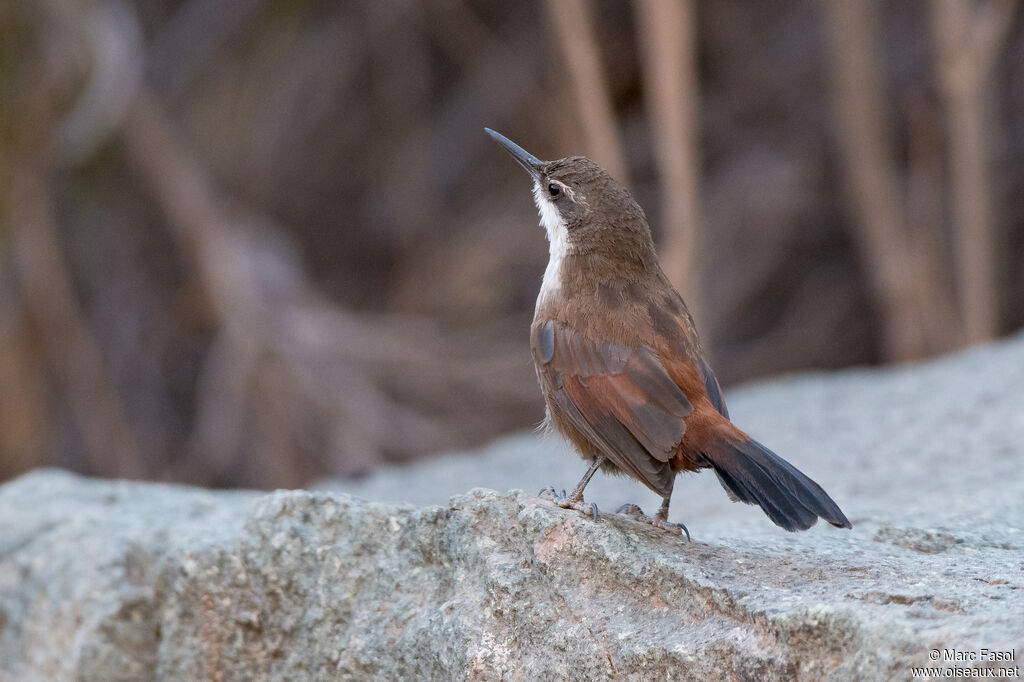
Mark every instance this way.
x=554 y=190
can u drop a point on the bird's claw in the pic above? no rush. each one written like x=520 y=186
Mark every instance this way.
x=630 y=509
x=637 y=514
x=563 y=501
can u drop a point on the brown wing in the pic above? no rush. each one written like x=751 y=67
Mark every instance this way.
x=621 y=399
x=675 y=330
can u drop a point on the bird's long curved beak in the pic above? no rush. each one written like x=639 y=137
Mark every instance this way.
x=524 y=158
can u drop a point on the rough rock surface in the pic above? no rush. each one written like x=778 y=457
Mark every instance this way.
x=124 y=581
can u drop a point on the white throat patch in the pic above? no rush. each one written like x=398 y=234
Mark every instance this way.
x=558 y=243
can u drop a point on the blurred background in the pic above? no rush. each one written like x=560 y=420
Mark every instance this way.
x=257 y=242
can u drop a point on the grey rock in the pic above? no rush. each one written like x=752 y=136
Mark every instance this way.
x=107 y=580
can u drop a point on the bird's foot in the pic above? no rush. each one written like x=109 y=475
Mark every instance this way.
x=567 y=502
x=637 y=514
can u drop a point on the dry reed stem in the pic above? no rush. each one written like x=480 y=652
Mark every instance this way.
x=967 y=43
x=667 y=36
x=574 y=31
x=871 y=180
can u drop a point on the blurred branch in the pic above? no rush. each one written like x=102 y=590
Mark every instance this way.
x=255 y=327
x=989 y=33
x=574 y=32
x=69 y=346
x=967 y=43
x=28 y=165
x=115 y=45
x=872 y=182
x=358 y=389
x=191 y=39
x=25 y=391
x=667 y=36
x=925 y=222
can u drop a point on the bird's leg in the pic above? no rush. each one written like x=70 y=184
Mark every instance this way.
x=660 y=518
x=574 y=500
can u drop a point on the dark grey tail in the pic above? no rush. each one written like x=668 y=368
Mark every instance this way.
x=752 y=473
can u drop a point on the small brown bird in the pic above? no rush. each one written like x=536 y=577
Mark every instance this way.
x=620 y=364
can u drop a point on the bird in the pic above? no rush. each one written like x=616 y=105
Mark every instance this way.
x=621 y=366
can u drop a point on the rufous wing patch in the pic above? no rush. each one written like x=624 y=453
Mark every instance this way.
x=622 y=399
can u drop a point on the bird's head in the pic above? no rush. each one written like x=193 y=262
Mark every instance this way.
x=582 y=208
